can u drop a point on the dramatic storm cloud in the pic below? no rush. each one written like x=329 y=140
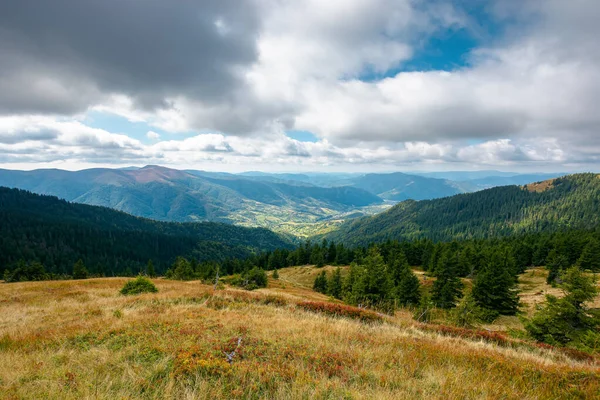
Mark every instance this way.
x=360 y=84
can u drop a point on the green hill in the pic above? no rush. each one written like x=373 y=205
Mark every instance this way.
x=57 y=233
x=569 y=202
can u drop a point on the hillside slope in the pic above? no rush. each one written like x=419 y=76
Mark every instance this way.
x=568 y=202
x=81 y=339
x=57 y=233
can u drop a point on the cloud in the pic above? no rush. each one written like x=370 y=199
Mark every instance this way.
x=234 y=76
x=77 y=53
x=73 y=143
x=152 y=135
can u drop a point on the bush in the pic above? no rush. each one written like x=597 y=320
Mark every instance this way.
x=255 y=278
x=468 y=314
x=139 y=285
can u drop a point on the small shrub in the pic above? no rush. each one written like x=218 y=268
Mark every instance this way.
x=339 y=310
x=255 y=278
x=468 y=314
x=139 y=285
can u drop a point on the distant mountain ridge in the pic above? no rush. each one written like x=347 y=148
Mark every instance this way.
x=567 y=202
x=171 y=195
x=301 y=204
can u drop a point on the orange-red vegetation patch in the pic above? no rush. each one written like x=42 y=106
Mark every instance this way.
x=539 y=187
x=340 y=310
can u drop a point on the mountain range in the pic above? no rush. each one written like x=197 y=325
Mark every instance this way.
x=298 y=204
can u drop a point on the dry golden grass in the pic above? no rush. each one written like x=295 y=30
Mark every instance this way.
x=82 y=340
x=533 y=289
x=539 y=187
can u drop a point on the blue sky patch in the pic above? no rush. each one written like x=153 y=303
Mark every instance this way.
x=302 y=136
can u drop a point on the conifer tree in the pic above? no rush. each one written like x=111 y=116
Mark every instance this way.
x=405 y=281
x=79 y=270
x=275 y=274
x=408 y=289
x=331 y=253
x=447 y=288
x=494 y=287
x=334 y=284
x=150 y=271
x=320 y=284
x=590 y=257
x=376 y=282
x=555 y=263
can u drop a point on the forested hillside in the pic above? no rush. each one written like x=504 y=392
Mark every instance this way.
x=57 y=234
x=568 y=202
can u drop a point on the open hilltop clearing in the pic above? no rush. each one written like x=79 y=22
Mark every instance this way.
x=82 y=339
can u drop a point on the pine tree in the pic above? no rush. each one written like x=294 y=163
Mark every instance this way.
x=376 y=283
x=447 y=288
x=331 y=253
x=79 y=270
x=317 y=257
x=320 y=284
x=408 y=289
x=150 y=271
x=334 y=284
x=494 y=287
x=590 y=257
x=555 y=263
x=406 y=283
x=275 y=274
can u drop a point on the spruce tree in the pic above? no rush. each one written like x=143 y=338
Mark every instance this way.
x=494 y=287
x=79 y=270
x=447 y=288
x=590 y=257
x=398 y=265
x=555 y=263
x=320 y=284
x=150 y=271
x=408 y=289
x=376 y=281
x=406 y=284
x=334 y=284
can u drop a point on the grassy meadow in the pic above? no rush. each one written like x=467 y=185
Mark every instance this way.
x=83 y=340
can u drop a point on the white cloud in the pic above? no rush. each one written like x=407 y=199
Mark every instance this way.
x=49 y=141
x=527 y=98
x=152 y=135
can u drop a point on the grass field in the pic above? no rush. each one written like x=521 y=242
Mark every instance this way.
x=81 y=339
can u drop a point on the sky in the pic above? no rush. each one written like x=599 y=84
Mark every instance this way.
x=301 y=85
